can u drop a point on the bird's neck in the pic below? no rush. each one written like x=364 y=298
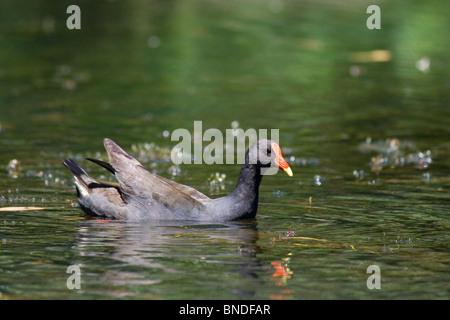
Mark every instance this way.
x=244 y=197
x=249 y=180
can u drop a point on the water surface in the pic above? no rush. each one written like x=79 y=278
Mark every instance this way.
x=363 y=118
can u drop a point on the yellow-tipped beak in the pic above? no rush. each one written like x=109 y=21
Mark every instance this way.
x=288 y=171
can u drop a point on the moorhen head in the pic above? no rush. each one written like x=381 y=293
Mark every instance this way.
x=143 y=195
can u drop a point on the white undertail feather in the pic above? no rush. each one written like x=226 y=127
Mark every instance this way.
x=81 y=187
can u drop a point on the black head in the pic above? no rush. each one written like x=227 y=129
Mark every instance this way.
x=266 y=154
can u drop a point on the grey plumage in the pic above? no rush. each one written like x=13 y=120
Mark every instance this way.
x=143 y=195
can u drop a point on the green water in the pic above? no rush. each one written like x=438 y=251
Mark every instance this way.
x=367 y=140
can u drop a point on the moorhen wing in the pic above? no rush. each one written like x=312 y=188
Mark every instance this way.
x=143 y=195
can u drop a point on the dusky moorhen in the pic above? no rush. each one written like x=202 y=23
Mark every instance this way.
x=143 y=195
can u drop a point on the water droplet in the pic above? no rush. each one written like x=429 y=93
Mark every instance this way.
x=317 y=180
x=278 y=194
x=13 y=168
x=355 y=71
x=423 y=64
x=154 y=42
x=358 y=174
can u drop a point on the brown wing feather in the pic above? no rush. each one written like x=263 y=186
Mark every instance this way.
x=136 y=181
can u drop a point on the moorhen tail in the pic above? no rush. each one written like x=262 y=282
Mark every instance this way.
x=143 y=195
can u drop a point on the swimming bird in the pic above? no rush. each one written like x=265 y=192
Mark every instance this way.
x=143 y=195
